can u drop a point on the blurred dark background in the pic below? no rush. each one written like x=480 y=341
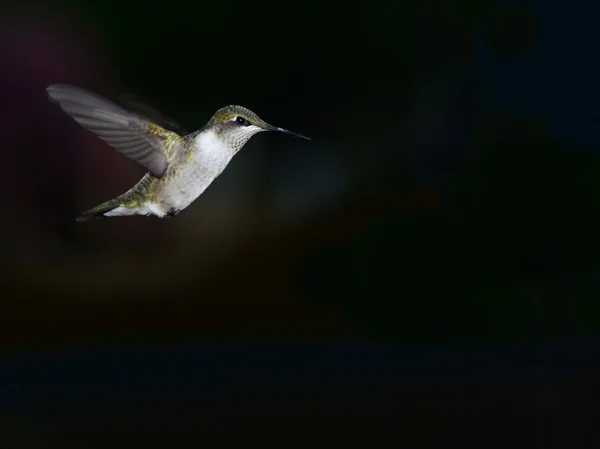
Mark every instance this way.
x=450 y=196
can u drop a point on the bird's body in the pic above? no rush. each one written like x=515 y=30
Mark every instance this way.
x=197 y=161
x=180 y=167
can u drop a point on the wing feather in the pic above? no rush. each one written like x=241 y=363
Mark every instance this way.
x=135 y=137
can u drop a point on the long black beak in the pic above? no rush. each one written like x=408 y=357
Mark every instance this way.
x=281 y=130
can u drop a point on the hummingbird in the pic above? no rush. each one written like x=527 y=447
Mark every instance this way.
x=179 y=166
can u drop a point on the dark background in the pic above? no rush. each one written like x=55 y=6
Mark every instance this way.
x=450 y=196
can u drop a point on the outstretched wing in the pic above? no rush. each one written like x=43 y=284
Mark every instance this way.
x=133 y=136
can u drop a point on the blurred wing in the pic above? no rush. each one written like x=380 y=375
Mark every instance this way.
x=135 y=137
x=143 y=106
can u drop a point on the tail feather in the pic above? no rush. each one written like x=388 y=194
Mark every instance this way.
x=100 y=210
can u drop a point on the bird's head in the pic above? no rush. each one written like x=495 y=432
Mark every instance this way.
x=236 y=125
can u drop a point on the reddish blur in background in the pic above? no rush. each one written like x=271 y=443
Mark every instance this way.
x=450 y=193
x=427 y=207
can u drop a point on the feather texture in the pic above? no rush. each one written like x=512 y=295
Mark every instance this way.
x=134 y=136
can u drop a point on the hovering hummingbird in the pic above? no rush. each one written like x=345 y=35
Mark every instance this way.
x=180 y=166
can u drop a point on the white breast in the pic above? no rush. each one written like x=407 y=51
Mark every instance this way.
x=210 y=156
x=211 y=149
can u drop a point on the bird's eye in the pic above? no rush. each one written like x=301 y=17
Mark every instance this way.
x=242 y=121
